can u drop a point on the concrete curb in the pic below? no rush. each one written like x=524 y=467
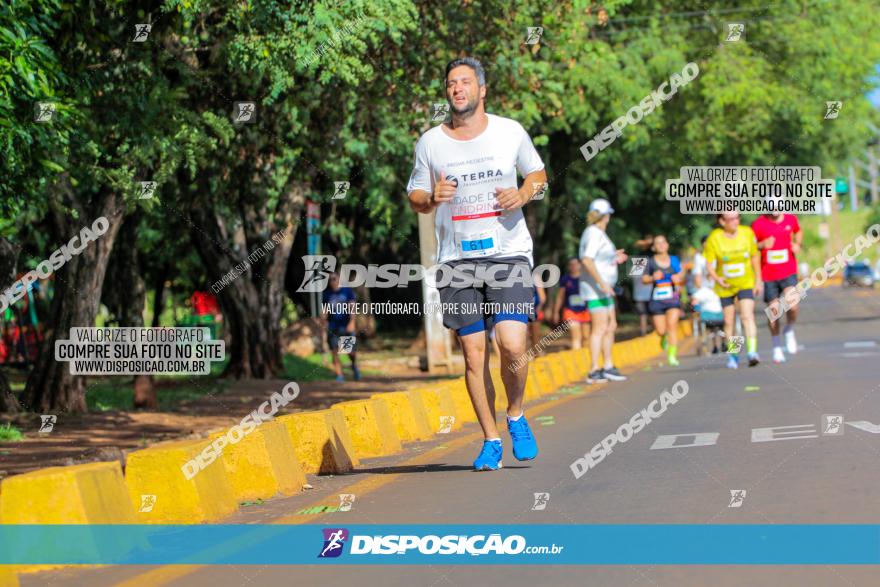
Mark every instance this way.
x=263 y=464
x=206 y=497
x=439 y=404
x=8 y=576
x=408 y=414
x=94 y=493
x=321 y=441
x=371 y=427
x=464 y=410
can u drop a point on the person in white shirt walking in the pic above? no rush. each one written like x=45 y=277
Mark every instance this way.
x=600 y=259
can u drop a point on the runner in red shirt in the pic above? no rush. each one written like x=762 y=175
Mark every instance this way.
x=779 y=240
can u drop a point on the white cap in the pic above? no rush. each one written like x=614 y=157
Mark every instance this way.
x=602 y=206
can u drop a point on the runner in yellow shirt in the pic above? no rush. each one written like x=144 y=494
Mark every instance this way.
x=734 y=264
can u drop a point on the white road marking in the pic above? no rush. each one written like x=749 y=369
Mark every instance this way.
x=860 y=344
x=771 y=434
x=865 y=425
x=698 y=439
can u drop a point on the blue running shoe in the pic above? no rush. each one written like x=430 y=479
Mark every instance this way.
x=524 y=446
x=732 y=362
x=490 y=456
x=340 y=378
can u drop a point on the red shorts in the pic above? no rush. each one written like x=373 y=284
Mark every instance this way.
x=582 y=316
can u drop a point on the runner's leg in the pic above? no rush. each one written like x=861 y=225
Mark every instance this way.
x=608 y=338
x=337 y=364
x=790 y=318
x=672 y=316
x=659 y=321
x=576 y=335
x=512 y=342
x=597 y=336
x=488 y=384
x=750 y=329
x=473 y=347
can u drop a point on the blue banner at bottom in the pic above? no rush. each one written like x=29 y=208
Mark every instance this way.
x=648 y=544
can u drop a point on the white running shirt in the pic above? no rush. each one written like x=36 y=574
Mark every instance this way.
x=700 y=269
x=472 y=225
x=596 y=245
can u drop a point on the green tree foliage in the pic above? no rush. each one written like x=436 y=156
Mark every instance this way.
x=344 y=89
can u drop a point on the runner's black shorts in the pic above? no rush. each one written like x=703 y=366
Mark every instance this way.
x=743 y=294
x=333 y=335
x=472 y=308
x=659 y=307
x=773 y=289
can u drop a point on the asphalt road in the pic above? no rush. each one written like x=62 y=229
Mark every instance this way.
x=790 y=475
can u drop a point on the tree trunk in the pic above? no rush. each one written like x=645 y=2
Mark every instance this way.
x=78 y=284
x=158 y=306
x=8 y=261
x=253 y=301
x=127 y=298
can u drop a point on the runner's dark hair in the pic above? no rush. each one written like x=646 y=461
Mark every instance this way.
x=470 y=62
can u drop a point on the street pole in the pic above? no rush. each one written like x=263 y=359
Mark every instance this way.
x=872 y=171
x=437 y=340
x=853 y=190
x=834 y=228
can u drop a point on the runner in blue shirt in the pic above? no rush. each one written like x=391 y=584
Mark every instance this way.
x=665 y=274
x=571 y=307
x=337 y=315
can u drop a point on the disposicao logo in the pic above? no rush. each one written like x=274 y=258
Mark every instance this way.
x=334 y=540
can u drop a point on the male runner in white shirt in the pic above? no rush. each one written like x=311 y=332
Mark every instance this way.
x=466 y=172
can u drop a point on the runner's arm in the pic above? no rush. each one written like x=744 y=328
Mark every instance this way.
x=796 y=240
x=512 y=198
x=352 y=308
x=421 y=201
x=590 y=267
x=678 y=276
x=756 y=264
x=424 y=202
x=557 y=307
x=324 y=312
x=711 y=261
x=756 y=267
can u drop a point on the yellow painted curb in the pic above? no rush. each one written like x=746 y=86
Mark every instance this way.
x=321 y=441
x=571 y=368
x=371 y=428
x=262 y=464
x=8 y=576
x=560 y=364
x=497 y=382
x=582 y=360
x=619 y=356
x=553 y=376
x=542 y=377
x=461 y=400
x=93 y=493
x=156 y=471
x=439 y=405
x=408 y=414
x=533 y=387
